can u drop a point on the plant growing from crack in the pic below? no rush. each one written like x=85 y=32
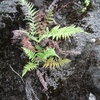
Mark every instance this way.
x=44 y=45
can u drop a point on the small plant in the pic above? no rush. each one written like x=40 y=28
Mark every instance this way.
x=45 y=43
x=86 y=3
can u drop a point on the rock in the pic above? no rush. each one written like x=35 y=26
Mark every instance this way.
x=92 y=97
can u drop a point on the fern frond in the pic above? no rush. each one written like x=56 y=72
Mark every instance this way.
x=49 y=52
x=49 y=17
x=28 y=67
x=65 y=32
x=30 y=7
x=51 y=63
x=31 y=55
x=58 y=33
x=30 y=17
x=32 y=37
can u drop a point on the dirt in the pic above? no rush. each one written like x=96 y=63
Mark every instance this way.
x=76 y=80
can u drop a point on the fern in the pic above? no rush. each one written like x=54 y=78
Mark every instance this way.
x=28 y=67
x=51 y=63
x=30 y=17
x=49 y=52
x=65 y=32
x=58 y=33
x=30 y=54
x=46 y=55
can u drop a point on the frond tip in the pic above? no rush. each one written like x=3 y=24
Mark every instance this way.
x=65 y=32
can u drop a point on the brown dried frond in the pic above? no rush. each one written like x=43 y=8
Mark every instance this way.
x=27 y=44
x=41 y=22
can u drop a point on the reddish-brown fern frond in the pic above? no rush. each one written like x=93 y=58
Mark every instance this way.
x=27 y=44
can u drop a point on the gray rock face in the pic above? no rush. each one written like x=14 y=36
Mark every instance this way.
x=7 y=11
x=91 y=43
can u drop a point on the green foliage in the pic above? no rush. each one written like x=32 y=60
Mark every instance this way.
x=37 y=57
x=65 y=32
x=30 y=17
x=29 y=53
x=49 y=52
x=47 y=55
x=60 y=33
x=28 y=67
x=86 y=2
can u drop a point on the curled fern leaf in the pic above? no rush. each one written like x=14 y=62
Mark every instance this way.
x=28 y=67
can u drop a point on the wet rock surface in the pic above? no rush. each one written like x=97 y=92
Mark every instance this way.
x=75 y=81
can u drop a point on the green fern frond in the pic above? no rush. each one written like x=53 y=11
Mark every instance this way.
x=51 y=63
x=30 y=7
x=58 y=33
x=29 y=53
x=28 y=67
x=30 y=17
x=47 y=53
x=65 y=32
x=32 y=37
